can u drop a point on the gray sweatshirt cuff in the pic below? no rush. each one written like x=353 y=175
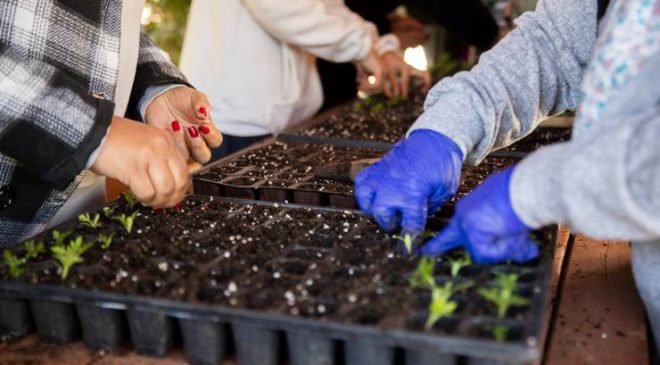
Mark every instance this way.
x=535 y=187
x=442 y=117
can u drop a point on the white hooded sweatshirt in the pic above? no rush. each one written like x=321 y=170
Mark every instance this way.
x=256 y=59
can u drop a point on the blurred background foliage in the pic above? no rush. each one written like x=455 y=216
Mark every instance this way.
x=165 y=22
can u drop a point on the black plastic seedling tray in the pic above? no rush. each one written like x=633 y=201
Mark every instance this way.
x=282 y=171
x=272 y=283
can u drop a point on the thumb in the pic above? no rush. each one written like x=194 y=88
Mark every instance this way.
x=448 y=239
x=526 y=250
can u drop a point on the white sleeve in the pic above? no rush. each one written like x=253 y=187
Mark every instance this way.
x=325 y=28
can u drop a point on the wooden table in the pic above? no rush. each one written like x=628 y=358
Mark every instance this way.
x=598 y=317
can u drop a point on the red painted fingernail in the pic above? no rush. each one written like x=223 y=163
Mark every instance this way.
x=192 y=131
x=176 y=126
x=202 y=110
x=157 y=210
x=178 y=206
x=205 y=129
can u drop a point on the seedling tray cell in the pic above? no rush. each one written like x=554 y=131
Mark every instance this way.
x=282 y=171
x=281 y=282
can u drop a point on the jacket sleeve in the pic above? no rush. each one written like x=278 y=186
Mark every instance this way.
x=154 y=68
x=534 y=72
x=49 y=122
x=327 y=29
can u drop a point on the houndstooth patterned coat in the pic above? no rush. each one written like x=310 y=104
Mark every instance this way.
x=59 y=64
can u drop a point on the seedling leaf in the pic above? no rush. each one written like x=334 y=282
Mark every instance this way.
x=33 y=249
x=14 y=264
x=504 y=296
x=59 y=237
x=130 y=199
x=87 y=220
x=106 y=240
x=459 y=263
x=408 y=240
x=126 y=221
x=500 y=333
x=67 y=256
x=422 y=277
x=107 y=212
x=441 y=304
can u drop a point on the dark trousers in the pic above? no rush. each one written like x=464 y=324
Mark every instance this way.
x=231 y=144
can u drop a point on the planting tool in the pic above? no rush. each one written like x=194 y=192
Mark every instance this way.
x=343 y=171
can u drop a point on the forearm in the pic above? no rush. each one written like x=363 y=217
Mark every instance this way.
x=49 y=122
x=326 y=29
x=604 y=185
x=533 y=73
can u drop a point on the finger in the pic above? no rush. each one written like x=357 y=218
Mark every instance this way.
x=211 y=135
x=180 y=170
x=201 y=105
x=163 y=183
x=451 y=237
x=387 y=216
x=405 y=80
x=425 y=76
x=526 y=250
x=197 y=146
x=180 y=140
x=394 y=83
x=413 y=218
x=487 y=249
x=142 y=188
x=364 y=192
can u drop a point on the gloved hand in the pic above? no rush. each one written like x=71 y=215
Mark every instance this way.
x=410 y=182
x=486 y=225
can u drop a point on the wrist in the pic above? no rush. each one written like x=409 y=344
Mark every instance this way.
x=535 y=188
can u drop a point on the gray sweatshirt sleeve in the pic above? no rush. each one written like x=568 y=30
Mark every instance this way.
x=534 y=72
x=605 y=182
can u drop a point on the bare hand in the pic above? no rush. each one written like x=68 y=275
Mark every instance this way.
x=146 y=159
x=186 y=112
x=398 y=76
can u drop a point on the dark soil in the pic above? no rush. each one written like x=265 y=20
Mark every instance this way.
x=371 y=120
x=289 y=167
x=331 y=265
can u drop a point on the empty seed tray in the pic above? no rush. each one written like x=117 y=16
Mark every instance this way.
x=269 y=282
x=283 y=171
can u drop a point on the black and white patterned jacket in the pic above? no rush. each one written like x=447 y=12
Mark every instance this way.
x=59 y=64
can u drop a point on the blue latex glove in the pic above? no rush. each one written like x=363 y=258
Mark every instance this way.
x=410 y=182
x=486 y=225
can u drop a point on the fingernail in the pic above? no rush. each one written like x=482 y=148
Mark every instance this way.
x=202 y=110
x=176 y=126
x=157 y=210
x=178 y=206
x=192 y=131
x=205 y=129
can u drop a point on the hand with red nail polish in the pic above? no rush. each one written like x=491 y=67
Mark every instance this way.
x=146 y=159
x=188 y=108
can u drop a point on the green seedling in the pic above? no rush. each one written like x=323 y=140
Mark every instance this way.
x=377 y=108
x=394 y=101
x=441 y=304
x=447 y=65
x=106 y=240
x=504 y=296
x=59 y=237
x=107 y=212
x=67 y=256
x=126 y=220
x=33 y=249
x=130 y=199
x=88 y=220
x=423 y=275
x=500 y=333
x=459 y=263
x=14 y=264
x=408 y=240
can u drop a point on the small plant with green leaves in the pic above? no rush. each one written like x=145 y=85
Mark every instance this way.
x=408 y=241
x=106 y=240
x=503 y=295
x=108 y=212
x=458 y=263
x=59 y=237
x=89 y=221
x=500 y=332
x=69 y=255
x=15 y=264
x=442 y=305
x=395 y=101
x=33 y=249
x=126 y=221
x=130 y=199
x=423 y=277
